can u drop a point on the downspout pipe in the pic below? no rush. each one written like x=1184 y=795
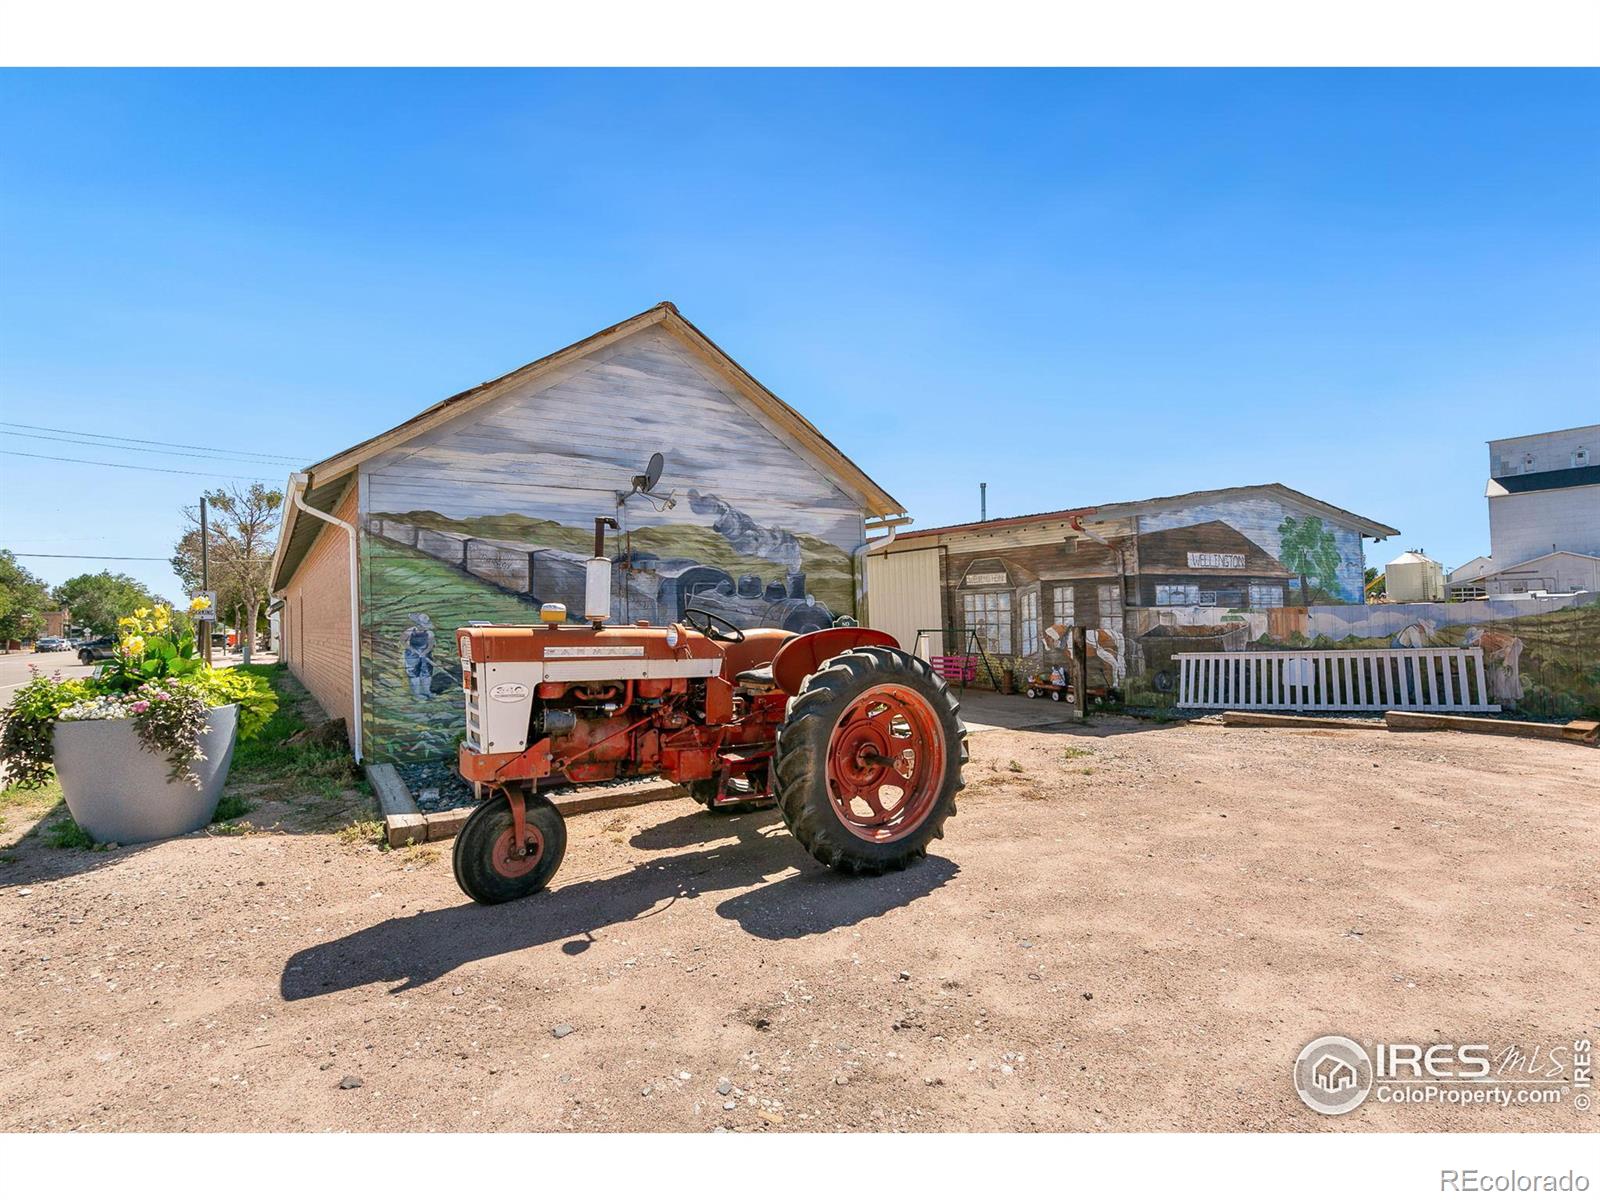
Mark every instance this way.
x=299 y=481
x=859 y=557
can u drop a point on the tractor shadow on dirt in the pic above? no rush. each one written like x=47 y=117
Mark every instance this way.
x=410 y=951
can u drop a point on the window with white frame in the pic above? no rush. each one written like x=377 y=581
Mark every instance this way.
x=1064 y=604
x=1110 y=597
x=1028 y=616
x=1580 y=456
x=989 y=615
x=1266 y=595
x=1177 y=593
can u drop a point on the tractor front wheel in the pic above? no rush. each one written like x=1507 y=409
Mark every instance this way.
x=486 y=861
x=869 y=760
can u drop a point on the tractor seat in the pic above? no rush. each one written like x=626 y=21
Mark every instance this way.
x=756 y=678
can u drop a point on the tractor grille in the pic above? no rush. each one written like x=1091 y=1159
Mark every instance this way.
x=474 y=695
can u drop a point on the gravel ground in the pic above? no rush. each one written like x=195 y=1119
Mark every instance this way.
x=1128 y=927
x=436 y=787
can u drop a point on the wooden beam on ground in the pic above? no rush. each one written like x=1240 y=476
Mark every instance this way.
x=414 y=828
x=1573 y=731
x=405 y=829
x=586 y=800
x=394 y=797
x=1283 y=720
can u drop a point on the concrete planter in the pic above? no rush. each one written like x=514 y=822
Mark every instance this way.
x=118 y=791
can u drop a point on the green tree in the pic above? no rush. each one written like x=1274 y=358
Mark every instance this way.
x=24 y=599
x=98 y=600
x=242 y=527
x=1311 y=552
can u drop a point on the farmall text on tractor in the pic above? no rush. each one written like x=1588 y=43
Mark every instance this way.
x=858 y=743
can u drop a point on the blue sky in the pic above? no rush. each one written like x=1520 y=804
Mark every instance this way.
x=1079 y=286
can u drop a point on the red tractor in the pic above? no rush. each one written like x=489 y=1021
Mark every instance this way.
x=857 y=742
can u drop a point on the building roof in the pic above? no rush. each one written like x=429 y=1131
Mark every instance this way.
x=1167 y=551
x=1541 y=481
x=1522 y=437
x=1366 y=526
x=1412 y=556
x=1484 y=568
x=329 y=477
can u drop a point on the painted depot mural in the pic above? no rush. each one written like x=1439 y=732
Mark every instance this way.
x=1250 y=573
x=488 y=518
x=1241 y=554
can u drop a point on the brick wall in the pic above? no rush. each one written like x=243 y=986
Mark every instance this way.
x=316 y=615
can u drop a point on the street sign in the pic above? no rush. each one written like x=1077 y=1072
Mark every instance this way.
x=209 y=612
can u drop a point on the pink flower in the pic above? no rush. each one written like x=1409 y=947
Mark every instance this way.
x=139 y=706
x=163 y=696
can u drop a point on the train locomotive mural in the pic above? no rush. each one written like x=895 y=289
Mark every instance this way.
x=646 y=586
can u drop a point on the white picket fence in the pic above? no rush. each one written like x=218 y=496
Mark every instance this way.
x=1428 y=680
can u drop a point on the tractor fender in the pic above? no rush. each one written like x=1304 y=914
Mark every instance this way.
x=801 y=656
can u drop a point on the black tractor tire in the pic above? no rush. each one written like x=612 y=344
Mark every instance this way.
x=803 y=752
x=704 y=792
x=479 y=868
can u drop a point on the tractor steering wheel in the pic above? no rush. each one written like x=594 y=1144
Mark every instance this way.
x=713 y=626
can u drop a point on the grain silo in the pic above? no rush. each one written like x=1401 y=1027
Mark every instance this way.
x=1413 y=576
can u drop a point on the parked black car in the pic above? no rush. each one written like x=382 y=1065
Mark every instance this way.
x=97 y=650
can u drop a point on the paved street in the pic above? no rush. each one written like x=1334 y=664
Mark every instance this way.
x=14 y=668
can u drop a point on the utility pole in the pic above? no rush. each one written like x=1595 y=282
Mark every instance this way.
x=205 y=580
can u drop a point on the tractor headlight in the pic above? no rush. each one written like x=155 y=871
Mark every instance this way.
x=672 y=637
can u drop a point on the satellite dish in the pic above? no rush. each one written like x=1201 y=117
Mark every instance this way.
x=652 y=473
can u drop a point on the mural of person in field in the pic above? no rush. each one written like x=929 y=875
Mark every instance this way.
x=417 y=644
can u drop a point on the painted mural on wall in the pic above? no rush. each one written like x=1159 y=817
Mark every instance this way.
x=1541 y=655
x=490 y=517
x=1020 y=602
x=1324 y=561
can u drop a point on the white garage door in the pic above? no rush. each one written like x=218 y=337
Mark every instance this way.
x=903 y=597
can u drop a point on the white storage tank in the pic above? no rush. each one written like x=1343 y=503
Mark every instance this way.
x=1413 y=576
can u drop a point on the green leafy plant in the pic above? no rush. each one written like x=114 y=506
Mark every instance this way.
x=151 y=646
x=67 y=834
x=254 y=695
x=28 y=725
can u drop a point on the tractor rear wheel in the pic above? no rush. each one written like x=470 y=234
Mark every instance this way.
x=704 y=792
x=486 y=865
x=869 y=760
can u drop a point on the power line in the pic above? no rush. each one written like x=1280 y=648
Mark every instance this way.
x=93 y=462
x=126 y=557
x=45 y=437
x=109 y=437
x=91 y=557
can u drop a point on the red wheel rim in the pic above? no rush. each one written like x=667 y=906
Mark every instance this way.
x=886 y=761
x=508 y=865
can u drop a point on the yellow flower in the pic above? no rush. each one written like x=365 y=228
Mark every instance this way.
x=162 y=618
x=141 y=613
x=132 y=646
x=198 y=603
x=126 y=621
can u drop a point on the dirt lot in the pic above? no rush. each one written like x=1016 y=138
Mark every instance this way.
x=1128 y=927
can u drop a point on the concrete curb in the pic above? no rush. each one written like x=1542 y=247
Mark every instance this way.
x=404 y=825
x=1248 y=720
x=1583 y=732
